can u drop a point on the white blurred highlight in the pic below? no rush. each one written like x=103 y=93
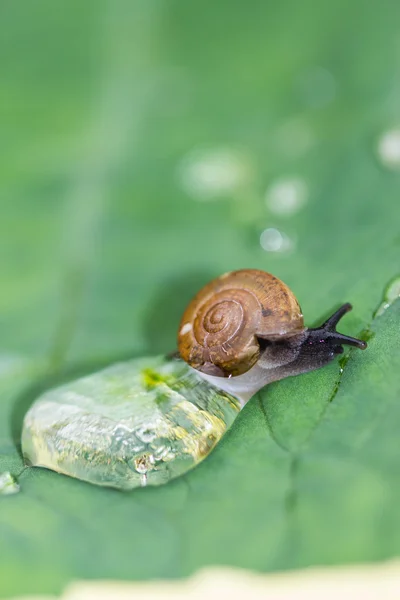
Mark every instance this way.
x=285 y=197
x=389 y=149
x=210 y=174
x=273 y=240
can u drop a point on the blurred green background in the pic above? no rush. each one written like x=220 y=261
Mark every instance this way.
x=147 y=147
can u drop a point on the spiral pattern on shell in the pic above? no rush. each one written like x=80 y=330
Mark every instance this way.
x=220 y=328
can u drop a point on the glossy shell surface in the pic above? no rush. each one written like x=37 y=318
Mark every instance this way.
x=220 y=326
x=141 y=422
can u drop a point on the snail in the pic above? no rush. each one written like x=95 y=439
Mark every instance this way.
x=146 y=421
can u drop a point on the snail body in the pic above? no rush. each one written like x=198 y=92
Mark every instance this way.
x=215 y=337
x=146 y=421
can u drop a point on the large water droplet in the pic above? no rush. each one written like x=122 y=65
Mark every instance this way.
x=286 y=196
x=391 y=294
x=146 y=434
x=389 y=149
x=273 y=240
x=8 y=485
x=209 y=174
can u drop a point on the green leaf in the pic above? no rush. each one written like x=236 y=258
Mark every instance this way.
x=107 y=110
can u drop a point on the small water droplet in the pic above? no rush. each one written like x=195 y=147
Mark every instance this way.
x=389 y=149
x=8 y=485
x=273 y=240
x=287 y=196
x=210 y=174
x=317 y=87
x=391 y=294
x=343 y=362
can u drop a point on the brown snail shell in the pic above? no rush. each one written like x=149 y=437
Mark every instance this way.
x=219 y=330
